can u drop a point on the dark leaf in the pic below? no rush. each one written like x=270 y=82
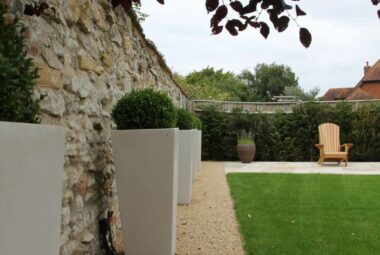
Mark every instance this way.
x=286 y=6
x=305 y=37
x=248 y=18
x=211 y=5
x=237 y=23
x=282 y=23
x=375 y=2
x=220 y=14
x=29 y=10
x=127 y=4
x=250 y=7
x=299 y=12
x=264 y=30
x=254 y=24
x=161 y=1
x=217 y=29
x=36 y=9
x=237 y=6
x=265 y=5
x=44 y=5
x=40 y=9
x=378 y=13
x=231 y=28
x=115 y=3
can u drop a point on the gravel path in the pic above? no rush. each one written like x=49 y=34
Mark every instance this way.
x=208 y=225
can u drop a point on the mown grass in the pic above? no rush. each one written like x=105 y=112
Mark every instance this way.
x=288 y=214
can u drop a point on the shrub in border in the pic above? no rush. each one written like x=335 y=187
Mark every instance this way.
x=17 y=73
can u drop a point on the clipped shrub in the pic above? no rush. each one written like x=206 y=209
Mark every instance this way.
x=196 y=123
x=17 y=73
x=185 y=119
x=214 y=134
x=144 y=109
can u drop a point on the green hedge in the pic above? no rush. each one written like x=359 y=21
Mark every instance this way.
x=291 y=137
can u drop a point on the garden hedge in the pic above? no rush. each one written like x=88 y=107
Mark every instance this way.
x=291 y=137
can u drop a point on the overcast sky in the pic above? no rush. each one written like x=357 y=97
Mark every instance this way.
x=346 y=34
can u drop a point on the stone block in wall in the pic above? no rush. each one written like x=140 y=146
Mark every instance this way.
x=48 y=77
x=81 y=84
x=86 y=62
x=51 y=59
x=71 y=12
x=53 y=101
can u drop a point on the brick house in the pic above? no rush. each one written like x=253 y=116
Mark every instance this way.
x=367 y=88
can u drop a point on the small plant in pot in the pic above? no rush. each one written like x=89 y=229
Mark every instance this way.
x=186 y=154
x=146 y=151
x=31 y=155
x=246 y=147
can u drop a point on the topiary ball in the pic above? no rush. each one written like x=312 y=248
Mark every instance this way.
x=185 y=119
x=196 y=123
x=144 y=109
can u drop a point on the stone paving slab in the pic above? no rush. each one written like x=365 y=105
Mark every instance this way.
x=353 y=168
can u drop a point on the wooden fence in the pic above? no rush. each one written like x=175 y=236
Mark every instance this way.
x=265 y=107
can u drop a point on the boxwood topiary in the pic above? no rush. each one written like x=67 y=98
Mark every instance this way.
x=144 y=109
x=17 y=73
x=185 y=119
x=196 y=123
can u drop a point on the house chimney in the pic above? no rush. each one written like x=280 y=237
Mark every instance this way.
x=366 y=69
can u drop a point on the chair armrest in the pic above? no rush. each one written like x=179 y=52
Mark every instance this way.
x=347 y=146
x=319 y=146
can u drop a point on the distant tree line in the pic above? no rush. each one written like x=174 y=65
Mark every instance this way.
x=267 y=81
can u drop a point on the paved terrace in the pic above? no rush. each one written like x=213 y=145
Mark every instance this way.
x=353 y=168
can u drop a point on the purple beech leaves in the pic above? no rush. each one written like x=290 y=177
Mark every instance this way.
x=211 y=5
x=299 y=12
x=305 y=37
x=264 y=29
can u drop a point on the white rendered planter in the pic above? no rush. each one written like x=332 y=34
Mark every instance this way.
x=199 y=151
x=185 y=168
x=146 y=163
x=194 y=151
x=31 y=175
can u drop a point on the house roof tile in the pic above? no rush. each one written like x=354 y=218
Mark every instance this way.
x=337 y=94
x=359 y=94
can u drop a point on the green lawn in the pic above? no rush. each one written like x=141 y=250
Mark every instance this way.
x=289 y=214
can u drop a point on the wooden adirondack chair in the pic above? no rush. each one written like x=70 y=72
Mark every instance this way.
x=329 y=144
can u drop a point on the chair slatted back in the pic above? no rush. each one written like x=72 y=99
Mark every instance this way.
x=329 y=137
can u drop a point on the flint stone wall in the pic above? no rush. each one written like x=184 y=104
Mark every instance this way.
x=89 y=55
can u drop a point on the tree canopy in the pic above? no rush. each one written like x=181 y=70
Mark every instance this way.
x=267 y=81
x=210 y=83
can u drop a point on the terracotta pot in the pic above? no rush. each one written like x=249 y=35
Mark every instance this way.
x=246 y=152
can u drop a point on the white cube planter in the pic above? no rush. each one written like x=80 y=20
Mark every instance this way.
x=31 y=175
x=199 y=151
x=194 y=151
x=185 y=167
x=146 y=163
